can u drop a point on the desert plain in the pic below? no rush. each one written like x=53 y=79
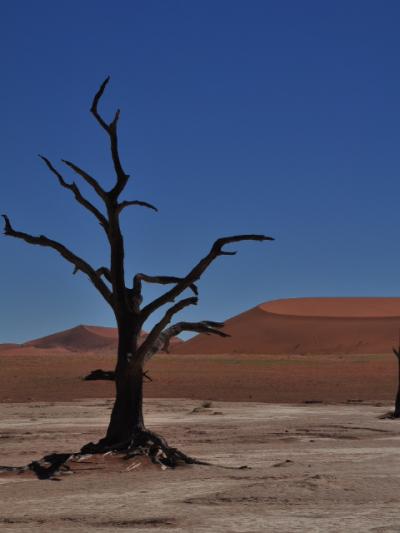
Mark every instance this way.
x=296 y=439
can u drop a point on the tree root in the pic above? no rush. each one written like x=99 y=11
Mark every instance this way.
x=48 y=467
x=390 y=415
x=145 y=443
x=142 y=444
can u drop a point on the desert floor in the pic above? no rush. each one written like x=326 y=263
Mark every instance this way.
x=234 y=377
x=332 y=466
x=312 y=468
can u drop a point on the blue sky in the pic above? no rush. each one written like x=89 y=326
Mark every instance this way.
x=268 y=117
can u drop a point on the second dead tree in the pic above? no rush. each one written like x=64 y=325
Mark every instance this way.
x=396 y=413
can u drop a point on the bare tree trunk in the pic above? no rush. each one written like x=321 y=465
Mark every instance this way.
x=127 y=414
x=396 y=413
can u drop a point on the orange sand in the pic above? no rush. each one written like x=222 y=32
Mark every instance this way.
x=308 y=326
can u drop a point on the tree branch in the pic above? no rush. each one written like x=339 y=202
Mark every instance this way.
x=77 y=193
x=104 y=271
x=197 y=271
x=111 y=129
x=164 y=338
x=127 y=203
x=95 y=102
x=158 y=328
x=78 y=262
x=88 y=178
x=161 y=280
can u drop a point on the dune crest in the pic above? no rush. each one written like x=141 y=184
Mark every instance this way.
x=307 y=326
x=335 y=307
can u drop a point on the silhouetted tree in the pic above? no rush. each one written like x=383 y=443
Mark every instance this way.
x=126 y=430
x=396 y=413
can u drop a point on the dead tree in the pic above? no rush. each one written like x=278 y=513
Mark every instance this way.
x=126 y=430
x=396 y=413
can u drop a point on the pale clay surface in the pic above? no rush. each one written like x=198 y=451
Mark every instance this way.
x=314 y=468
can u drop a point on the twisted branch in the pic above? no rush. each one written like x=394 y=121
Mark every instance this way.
x=77 y=193
x=164 y=338
x=78 y=262
x=127 y=203
x=158 y=328
x=88 y=178
x=197 y=271
x=161 y=280
x=111 y=129
x=105 y=272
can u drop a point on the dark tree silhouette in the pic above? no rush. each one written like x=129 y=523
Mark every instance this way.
x=396 y=413
x=126 y=430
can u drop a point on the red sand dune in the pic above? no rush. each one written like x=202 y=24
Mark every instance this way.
x=79 y=339
x=89 y=339
x=293 y=326
x=335 y=307
x=307 y=326
x=284 y=329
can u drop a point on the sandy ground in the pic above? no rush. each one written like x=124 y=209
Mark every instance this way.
x=235 y=377
x=313 y=468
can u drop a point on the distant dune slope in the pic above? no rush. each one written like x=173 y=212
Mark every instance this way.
x=307 y=326
x=293 y=326
x=335 y=307
x=78 y=339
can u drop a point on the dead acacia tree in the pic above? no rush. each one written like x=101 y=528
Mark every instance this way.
x=396 y=412
x=126 y=430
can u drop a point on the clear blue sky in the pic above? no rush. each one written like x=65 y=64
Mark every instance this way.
x=276 y=117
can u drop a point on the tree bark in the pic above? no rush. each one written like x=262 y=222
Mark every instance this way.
x=127 y=414
x=397 y=402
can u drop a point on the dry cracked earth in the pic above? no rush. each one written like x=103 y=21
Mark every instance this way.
x=310 y=468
